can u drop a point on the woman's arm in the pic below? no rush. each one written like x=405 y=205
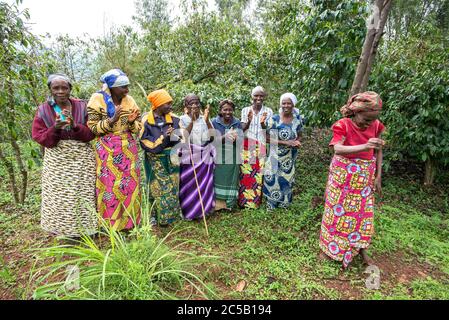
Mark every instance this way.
x=47 y=137
x=95 y=122
x=82 y=133
x=134 y=118
x=340 y=149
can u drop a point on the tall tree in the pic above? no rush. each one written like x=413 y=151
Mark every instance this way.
x=374 y=33
x=22 y=61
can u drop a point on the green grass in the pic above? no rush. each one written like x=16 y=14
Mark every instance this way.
x=275 y=253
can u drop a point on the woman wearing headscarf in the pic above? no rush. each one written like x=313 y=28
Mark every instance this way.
x=355 y=172
x=68 y=174
x=196 y=188
x=113 y=118
x=254 y=150
x=284 y=130
x=227 y=168
x=157 y=138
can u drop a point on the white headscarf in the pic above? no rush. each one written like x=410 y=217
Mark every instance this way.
x=292 y=97
x=257 y=89
x=289 y=95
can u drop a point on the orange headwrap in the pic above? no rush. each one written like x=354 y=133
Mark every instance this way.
x=158 y=98
x=365 y=101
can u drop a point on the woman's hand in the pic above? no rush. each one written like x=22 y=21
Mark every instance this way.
x=231 y=135
x=69 y=118
x=295 y=144
x=117 y=114
x=193 y=116
x=263 y=118
x=292 y=143
x=374 y=143
x=61 y=124
x=133 y=116
x=206 y=113
x=250 y=116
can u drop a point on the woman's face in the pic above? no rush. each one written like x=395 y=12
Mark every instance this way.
x=227 y=112
x=287 y=106
x=60 y=90
x=258 y=99
x=194 y=107
x=365 y=118
x=166 y=108
x=120 y=92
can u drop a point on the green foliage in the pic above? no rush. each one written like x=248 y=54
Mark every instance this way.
x=412 y=77
x=316 y=47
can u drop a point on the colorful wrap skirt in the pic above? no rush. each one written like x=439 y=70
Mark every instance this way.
x=118 y=180
x=68 y=189
x=163 y=182
x=348 y=220
x=226 y=177
x=251 y=174
x=197 y=191
x=279 y=177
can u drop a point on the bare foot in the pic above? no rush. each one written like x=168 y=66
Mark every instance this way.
x=366 y=259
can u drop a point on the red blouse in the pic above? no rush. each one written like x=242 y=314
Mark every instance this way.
x=347 y=132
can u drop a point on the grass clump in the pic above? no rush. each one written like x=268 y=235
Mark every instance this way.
x=137 y=266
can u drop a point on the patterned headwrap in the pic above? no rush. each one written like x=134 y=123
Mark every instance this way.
x=58 y=76
x=191 y=97
x=360 y=102
x=112 y=79
x=115 y=78
x=159 y=98
x=258 y=89
x=289 y=95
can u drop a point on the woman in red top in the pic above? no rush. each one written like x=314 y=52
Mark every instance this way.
x=354 y=175
x=68 y=173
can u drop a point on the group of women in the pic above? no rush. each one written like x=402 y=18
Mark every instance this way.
x=193 y=164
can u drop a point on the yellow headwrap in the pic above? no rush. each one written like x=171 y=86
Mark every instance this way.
x=159 y=98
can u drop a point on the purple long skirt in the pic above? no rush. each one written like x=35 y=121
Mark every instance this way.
x=189 y=198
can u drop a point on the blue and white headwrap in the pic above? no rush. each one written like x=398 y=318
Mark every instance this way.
x=112 y=79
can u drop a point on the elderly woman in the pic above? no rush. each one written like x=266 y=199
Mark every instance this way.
x=196 y=189
x=227 y=169
x=157 y=139
x=254 y=150
x=68 y=175
x=113 y=118
x=354 y=175
x=285 y=132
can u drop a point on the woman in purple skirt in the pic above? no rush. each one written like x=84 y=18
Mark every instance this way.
x=196 y=187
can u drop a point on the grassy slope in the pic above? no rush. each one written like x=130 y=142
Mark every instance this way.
x=276 y=253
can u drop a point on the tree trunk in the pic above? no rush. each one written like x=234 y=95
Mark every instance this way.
x=22 y=169
x=12 y=178
x=373 y=35
x=429 y=173
x=378 y=36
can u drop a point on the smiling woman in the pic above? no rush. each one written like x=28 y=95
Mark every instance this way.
x=68 y=175
x=113 y=117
